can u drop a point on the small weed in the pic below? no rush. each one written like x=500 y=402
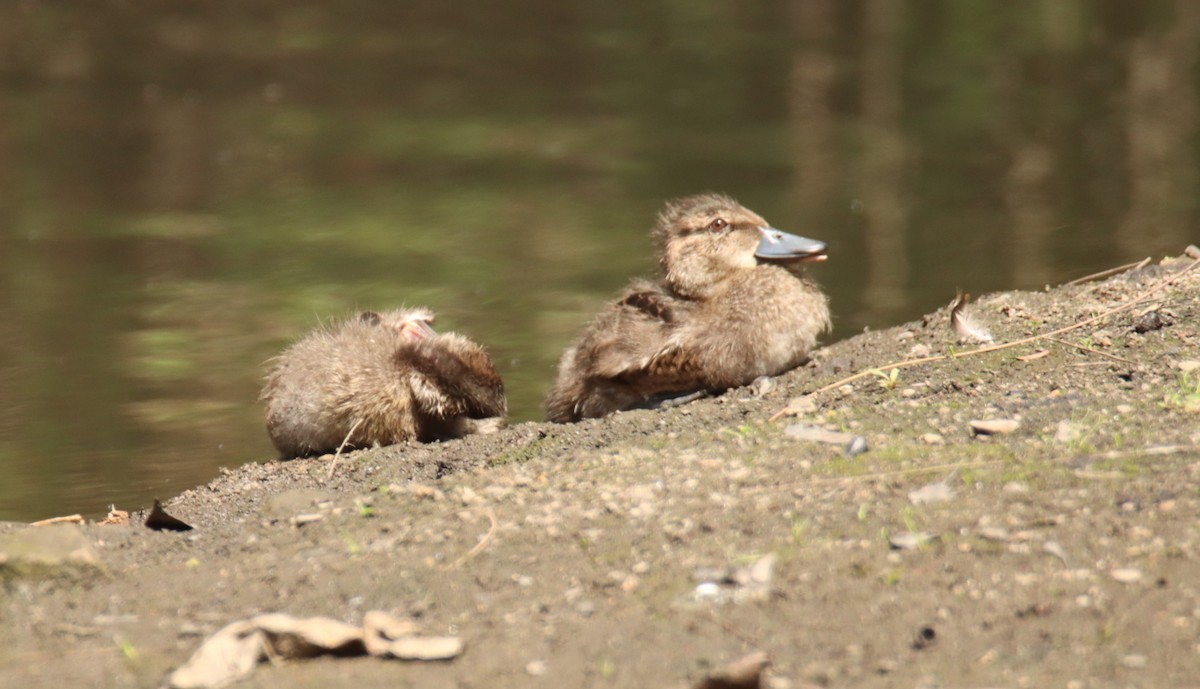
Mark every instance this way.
x=893 y=576
x=863 y=511
x=799 y=528
x=126 y=649
x=1187 y=397
x=365 y=510
x=887 y=380
x=607 y=668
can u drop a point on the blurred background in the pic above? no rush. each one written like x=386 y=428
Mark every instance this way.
x=187 y=187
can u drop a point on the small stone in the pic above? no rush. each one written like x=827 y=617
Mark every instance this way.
x=707 y=591
x=1067 y=432
x=1127 y=575
x=993 y=533
x=800 y=406
x=993 y=426
x=920 y=351
x=1124 y=408
x=856 y=446
x=910 y=540
x=535 y=668
x=932 y=493
x=1015 y=488
x=933 y=439
x=1189 y=365
x=1134 y=661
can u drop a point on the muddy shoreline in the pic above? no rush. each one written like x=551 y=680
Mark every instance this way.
x=614 y=552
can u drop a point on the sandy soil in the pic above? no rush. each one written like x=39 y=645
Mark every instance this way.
x=636 y=551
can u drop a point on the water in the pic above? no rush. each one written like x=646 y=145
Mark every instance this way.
x=186 y=188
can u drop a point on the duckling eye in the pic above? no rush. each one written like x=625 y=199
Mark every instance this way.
x=717 y=225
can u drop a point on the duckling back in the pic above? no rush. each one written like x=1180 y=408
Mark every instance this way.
x=379 y=379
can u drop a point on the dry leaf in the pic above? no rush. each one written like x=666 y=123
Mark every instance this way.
x=388 y=637
x=232 y=653
x=115 y=517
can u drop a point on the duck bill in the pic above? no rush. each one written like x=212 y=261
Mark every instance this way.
x=417 y=330
x=777 y=245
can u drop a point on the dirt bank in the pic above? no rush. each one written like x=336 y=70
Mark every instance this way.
x=637 y=551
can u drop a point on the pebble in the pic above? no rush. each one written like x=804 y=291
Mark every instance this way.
x=1067 y=432
x=535 y=668
x=993 y=426
x=1127 y=575
x=1189 y=365
x=910 y=540
x=920 y=351
x=1134 y=661
x=933 y=439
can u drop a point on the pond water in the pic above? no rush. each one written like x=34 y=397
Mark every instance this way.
x=185 y=188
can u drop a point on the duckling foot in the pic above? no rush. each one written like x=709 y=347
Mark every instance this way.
x=671 y=402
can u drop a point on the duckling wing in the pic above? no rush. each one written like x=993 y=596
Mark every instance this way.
x=631 y=333
x=643 y=350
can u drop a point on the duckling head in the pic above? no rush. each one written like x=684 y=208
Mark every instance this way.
x=707 y=239
x=410 y=324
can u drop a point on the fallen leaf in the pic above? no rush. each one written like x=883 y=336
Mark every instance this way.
x=232 y=652
x=115 y=517
x=388 y=637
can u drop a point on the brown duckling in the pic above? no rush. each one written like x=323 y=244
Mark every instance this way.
x=734 y=305
x=379 y=379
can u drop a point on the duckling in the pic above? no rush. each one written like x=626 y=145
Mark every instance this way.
x=379 y=379
x=734 y=304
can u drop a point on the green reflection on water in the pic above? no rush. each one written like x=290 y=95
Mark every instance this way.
x=182 y=195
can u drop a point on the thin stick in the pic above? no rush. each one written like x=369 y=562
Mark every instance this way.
x=70 y=519
x=1111 y=271
x=1152 y=451
x=1089 y=350
x=910 y=472
x=997 y=347
x=483 y=542
x=336 y=455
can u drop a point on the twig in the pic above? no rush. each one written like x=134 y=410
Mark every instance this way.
x=1152 y=451
x=483 y=542
x=1089 y=350
x=70 y=519
x=910 y=472
x=1111 y=271
x=1164 y=282
x=336 y=455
